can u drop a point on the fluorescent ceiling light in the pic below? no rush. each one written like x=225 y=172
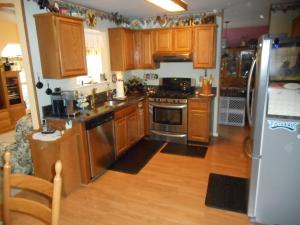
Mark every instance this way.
x=170 y=5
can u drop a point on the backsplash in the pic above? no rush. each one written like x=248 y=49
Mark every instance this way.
x=182 y=69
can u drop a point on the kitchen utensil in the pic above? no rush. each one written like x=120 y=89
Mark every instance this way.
x=39 y=84
x=48 y=90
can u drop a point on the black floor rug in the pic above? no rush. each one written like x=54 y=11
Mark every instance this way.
x=227 y=192
x=185 y=150
x=137 y=156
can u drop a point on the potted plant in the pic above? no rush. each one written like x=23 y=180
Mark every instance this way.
x=134 y=85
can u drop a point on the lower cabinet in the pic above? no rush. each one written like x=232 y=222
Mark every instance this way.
x=121 y=135
x=5 y=121
x=132 y=128
x=129 y=127
x=199 y=119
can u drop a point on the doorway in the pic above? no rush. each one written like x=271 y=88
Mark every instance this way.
x=14 y=9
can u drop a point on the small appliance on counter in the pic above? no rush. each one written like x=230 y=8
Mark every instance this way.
x=120 y=89
x=63 y=103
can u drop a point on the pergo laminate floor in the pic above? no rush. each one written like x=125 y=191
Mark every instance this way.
x=169 y=190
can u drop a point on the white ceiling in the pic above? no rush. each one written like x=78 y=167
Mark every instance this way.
x=240 y=13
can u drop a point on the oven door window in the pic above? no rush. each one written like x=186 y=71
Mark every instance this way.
x=167 y=116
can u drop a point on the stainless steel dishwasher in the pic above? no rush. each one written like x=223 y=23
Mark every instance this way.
x=100 y=137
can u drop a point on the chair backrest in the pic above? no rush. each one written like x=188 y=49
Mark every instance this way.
x=47 y=214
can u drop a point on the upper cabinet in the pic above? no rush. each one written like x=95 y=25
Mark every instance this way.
x=182 y=39
x=62 y=45
x=143 y=49
x=204 y=46
x=121 y=43
x=163 y=40
x=129 y=60
x=130 y=49
x=173 y=40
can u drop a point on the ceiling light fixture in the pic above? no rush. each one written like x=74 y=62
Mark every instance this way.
x=170 y=5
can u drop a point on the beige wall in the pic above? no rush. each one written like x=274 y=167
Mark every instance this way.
x=9 y=33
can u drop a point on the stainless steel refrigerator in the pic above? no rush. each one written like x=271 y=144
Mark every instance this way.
x=273 y=107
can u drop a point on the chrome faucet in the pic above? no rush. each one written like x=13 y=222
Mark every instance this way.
x=93 y=98
x=108 y=93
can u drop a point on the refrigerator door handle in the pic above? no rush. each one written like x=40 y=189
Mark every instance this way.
x=249 y=110
x=248 y=149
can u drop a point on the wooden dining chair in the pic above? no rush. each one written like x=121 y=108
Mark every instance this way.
x=50 y=215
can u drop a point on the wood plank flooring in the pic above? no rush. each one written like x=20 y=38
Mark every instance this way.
x=170 y=190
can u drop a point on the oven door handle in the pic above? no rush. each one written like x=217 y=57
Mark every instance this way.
x=168 y=134
x=168 y=106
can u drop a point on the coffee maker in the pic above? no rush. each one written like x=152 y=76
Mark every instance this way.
x=63 y=103
x=69 y=98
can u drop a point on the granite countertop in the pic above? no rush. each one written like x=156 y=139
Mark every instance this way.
x=199 y=90
x=100 y=110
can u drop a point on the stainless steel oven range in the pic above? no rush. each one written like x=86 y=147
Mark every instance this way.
x=168 y=109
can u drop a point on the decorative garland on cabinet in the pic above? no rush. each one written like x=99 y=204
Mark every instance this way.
x=90 y=15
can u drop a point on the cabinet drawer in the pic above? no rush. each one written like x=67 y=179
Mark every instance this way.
x=5 y=124
x=124 y=112
x=199 y=104
x=4 y=115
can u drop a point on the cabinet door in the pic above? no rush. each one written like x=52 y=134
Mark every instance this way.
x=121 y=135
x=71 y=47
x=296 y=27
x=138 y=50
x=204 y=46
x=129 y=40
x=198 y=126
x=16 y=112
x=182 y=39
x=5 y=121
x=147 y=49
x=141 y=120
x=132 y=128
x=163 y=40
x=199 y=119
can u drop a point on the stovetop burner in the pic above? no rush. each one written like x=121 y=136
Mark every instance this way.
x=173 y=90
x=169 y=94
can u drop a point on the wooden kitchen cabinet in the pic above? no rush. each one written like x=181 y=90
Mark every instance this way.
x=121 y=44
x=5 y=121
x=199 y=119
x=129 y=60
x=296 y=27
x=172 y=40
x=128 y=125
x=12 y=106
x=143 y=50
x=46 y=153
x=163 y=40
x=132 y=128
x=204 y=46
x=121 y=135
x=62 y=45
x=182 y=38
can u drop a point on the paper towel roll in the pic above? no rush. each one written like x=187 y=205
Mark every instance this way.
x=120 y=89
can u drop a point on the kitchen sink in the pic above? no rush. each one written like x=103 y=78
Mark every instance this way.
x=113 y=103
